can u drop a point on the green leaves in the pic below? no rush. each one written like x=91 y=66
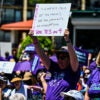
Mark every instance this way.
x=23 y=44
x=44 y=42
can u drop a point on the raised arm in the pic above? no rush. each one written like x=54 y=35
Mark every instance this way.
x=44 y=83
x=86 y=96
x=73 y=57
x=40 y=51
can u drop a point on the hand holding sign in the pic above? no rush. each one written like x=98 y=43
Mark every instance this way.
x=66 y=35
x=51 y=19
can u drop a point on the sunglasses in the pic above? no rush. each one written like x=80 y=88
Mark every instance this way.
x=62 y=57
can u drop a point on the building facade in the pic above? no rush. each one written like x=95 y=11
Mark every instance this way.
x=14 y=11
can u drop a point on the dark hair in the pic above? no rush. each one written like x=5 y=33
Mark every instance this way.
x=39 y=71
x=3 y=78
x=69 y=98
x=7 y=54
x=28 y=82
x=19 y=76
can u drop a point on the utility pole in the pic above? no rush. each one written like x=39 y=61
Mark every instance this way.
x=83 y=4
x=24 y=16
x=1 y=5
x=24 y=10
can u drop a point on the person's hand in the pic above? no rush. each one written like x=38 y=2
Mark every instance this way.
x=42 y=77
x=31 y=33
x=36 y=88
x=66 y=35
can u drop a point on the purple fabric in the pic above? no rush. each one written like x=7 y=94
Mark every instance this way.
x=30 y=48
x=23 y=66
x=9 y=58
x=27 y=65
x=95 y=76
x=55 y=88
x=2 y=59
x=54 y=58
x=92 y=66
x=93 y=83
x=67 y=74
x=38 y=67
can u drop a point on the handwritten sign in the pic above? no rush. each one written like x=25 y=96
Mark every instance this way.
x=6 y=66
x=51 y=19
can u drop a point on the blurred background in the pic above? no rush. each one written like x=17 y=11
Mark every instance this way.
x=16 y=18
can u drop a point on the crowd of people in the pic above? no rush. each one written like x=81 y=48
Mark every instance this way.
x=61 y=78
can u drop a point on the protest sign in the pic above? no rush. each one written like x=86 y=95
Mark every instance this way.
x=51 y=19
x=82 y=56
x=6 y=66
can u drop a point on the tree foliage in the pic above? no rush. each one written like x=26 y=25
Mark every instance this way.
x=23 y=44
x=44 y=42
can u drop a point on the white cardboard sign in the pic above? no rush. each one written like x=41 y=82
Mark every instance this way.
x=6 y=66
x=51 y=19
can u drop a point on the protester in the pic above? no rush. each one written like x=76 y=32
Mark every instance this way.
x=84 y=79
x=20 y=87
x=14 y=54
x=12 y=57
x=79 y=85
x=93 y=88
x=6 y=91
x=65 y=72
x=33 y=58
x=24 y=57
x=86 y=75
x=29 y=79
x=17 y=96
x=8 y=57
x=92 y=65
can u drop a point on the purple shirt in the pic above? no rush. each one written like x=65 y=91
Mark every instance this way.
x=61 y=81
x=92 y=65
x=67 y=74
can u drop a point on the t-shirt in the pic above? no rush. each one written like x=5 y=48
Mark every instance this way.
x=94 y=78
x=61 y=81
x=24 y=90
x=6 y=92
x=92 y=65
x=67 y=74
